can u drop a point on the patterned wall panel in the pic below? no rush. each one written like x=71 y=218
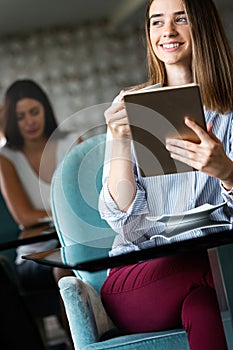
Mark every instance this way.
x=79 y=67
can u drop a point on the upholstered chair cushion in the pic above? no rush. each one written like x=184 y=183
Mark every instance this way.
x=83 y=302
x=89 y=323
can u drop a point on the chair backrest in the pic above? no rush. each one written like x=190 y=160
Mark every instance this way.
x=75 y=191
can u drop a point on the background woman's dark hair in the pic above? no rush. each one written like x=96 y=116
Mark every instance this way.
x=19 y=90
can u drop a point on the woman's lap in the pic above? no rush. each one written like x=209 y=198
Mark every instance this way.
x=148 y=296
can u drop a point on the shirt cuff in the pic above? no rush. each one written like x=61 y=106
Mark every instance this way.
x=227 y=195
x=111 y=210
x=229 y=192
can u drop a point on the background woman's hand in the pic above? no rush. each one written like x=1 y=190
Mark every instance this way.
x=208 y=156
x=116 y=118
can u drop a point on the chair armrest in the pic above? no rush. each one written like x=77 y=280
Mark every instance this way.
x=87 y=317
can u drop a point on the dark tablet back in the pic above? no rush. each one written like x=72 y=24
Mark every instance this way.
x=157 y=114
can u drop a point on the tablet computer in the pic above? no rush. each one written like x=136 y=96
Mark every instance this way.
x=154 y=115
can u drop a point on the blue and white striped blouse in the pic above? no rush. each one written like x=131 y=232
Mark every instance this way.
x=166 y=194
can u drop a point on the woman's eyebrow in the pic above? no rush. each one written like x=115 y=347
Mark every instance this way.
x=155 y=16
x=161 y=14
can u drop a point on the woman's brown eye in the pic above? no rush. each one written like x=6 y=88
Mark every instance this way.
x=34 y=111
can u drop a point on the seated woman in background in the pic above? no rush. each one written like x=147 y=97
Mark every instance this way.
x=27 y=163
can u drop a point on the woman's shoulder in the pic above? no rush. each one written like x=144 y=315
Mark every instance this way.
x=9 y=153
x=9 y=158
x=214 y=114
x=139 y=86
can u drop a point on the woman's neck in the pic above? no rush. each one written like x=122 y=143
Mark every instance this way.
x=34 y=147
x=35 y=144
x=178 y=75
x=43 y=163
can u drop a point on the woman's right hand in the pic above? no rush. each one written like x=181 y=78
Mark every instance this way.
x=116 y=118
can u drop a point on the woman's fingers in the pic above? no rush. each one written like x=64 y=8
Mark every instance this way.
x=117 y=120
x=202 y=134
x=116 y=114
x=121 y=121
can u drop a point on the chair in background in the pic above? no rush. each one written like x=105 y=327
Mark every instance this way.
x=74 y=197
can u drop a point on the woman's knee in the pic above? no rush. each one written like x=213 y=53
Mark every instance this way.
x=199 y=305
x=201 y=319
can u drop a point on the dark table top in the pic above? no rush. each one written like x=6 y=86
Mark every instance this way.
x=94 y=256
x=38 y=233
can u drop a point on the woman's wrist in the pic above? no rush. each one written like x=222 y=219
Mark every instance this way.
x=121 y=148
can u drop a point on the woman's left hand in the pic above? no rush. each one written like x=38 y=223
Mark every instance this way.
x=207 y=156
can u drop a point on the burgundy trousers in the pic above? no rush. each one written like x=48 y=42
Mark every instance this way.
x=166 y=293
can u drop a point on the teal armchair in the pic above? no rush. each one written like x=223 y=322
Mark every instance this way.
x=74 y=196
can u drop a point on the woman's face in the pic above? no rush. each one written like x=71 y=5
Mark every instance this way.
x=169 y=32
x=30 y=118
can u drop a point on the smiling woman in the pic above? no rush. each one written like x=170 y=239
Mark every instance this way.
x=186 y=44
x=169 y=33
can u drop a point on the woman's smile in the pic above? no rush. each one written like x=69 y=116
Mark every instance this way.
x=171 y=46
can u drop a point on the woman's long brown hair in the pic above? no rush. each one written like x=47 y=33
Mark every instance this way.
x=212 y=62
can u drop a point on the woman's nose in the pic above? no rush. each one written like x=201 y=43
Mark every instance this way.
x=29 y=120
x=169 y=29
